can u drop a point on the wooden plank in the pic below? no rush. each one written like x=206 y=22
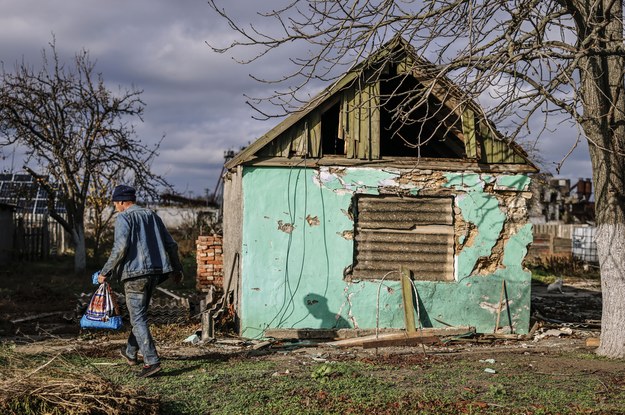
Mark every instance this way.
x=37 y=317
x=503 y=287
x=233 y=232
x=314 y=130
x=408 y=341
x=261 y=345
x=593 y=342
x=468 y=130
x=424 y=332
x=280 y=333
x=407 y=299
x=487 y=143
x=299 y=144
x=408 y=163
x=365 y=127
x=355 y=114
x=530 y=334
x=375 y=120
x=169 y=293
x=350 y=141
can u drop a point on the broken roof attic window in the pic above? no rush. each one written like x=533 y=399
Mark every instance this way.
x=331 y=143
x=416 y=125
x=414 y=232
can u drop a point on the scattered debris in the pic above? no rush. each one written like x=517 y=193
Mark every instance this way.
x=426 y=335
x=261 y=345
x=169 y=293
x=581 y=304
x=302 y=334
x=37 y=317
x=408 y=341
x=592 y=342
x=193 y=339
x=563 y=331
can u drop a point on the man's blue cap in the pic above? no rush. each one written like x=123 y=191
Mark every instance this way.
x=122 y=193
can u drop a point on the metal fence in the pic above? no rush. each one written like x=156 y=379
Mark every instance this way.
x=559 y=240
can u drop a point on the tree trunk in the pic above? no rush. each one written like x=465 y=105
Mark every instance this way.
x=608 y=172
x=611 y=249
x=80 y=250
x=604 y=125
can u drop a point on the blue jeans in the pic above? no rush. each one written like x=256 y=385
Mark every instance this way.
x=138 y=294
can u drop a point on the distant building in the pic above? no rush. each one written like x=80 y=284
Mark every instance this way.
x=563 y=216
x=556 y=201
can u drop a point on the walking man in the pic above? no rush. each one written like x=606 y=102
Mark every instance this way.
x=143 y=255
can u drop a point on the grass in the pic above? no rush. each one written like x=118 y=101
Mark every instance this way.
x=547 y=270
x=235 y=384
x=215 y=382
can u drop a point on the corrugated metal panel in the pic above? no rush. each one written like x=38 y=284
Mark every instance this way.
x=413 y=232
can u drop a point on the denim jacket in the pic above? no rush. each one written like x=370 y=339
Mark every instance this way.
x=142 y=246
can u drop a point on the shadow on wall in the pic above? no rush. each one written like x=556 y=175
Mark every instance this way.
x=318 y=307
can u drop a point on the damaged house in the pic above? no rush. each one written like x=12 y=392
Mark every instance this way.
x=388 y=171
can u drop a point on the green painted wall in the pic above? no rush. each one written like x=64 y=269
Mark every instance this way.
x=297 y=243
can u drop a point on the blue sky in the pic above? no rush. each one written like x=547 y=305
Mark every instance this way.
x=193 y=96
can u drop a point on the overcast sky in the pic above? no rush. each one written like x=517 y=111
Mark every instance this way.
x=193 y=96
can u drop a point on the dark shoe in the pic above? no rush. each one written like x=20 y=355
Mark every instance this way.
x=131 y=361
x=149 y=370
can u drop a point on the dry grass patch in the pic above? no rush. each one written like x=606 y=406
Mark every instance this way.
x=33 y=385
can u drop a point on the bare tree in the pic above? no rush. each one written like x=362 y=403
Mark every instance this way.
x=100 y=210
x=76 y=134
x=530 y=63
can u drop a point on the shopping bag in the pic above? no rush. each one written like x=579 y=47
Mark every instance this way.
x=103 y=311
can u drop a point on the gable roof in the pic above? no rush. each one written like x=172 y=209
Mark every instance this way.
x=483 y=144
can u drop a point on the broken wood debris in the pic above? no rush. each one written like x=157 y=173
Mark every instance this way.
x=261 y=345
x=389 y=337
x=37 y=317
x=169 y=293
x=503 y=287
x=426 y=335
x=302 y=334
x=354 y=334
x=407 y=341
x=407 y=299
x=592 y=342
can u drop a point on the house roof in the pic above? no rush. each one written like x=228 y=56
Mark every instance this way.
x=440 y=88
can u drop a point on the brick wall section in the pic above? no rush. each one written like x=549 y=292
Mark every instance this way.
x=210 y=262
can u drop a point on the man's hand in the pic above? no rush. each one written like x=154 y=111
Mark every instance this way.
x=177 y=277
x=101 y=278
